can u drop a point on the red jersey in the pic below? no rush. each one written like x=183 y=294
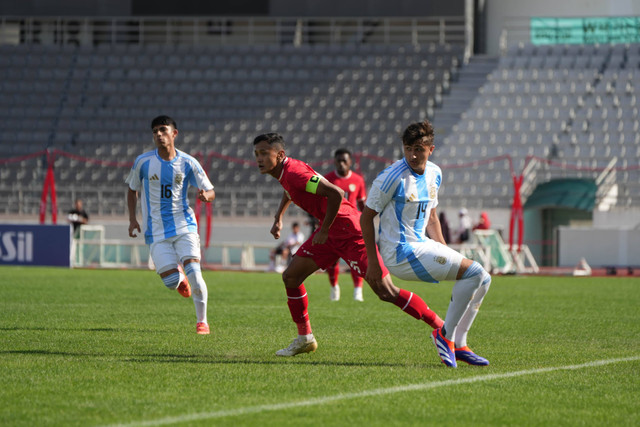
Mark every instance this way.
x=294 y=178
x=352 y=184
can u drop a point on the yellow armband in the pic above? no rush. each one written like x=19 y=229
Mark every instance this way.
x=312 y=184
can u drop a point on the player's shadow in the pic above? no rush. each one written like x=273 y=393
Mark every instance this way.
x=42 y=328
x=211 y=359
x=226 y=360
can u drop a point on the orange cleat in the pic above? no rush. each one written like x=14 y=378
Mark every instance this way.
x=202 y=328
x=184 y=289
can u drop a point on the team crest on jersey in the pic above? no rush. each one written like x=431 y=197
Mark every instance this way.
x=178 y=179
x=352 y=188
x=432 y=193
x=440 y=260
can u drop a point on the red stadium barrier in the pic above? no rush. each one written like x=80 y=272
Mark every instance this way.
x=49 y=187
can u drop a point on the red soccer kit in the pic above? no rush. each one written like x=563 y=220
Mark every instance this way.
x=345 y=235
x=352 y=184
x=354 y=191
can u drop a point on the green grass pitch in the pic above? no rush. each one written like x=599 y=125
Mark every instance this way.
x=94 y=348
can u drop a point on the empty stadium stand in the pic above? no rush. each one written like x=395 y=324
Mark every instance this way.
x=97 y=103
x=565 y=110
x=571 y=106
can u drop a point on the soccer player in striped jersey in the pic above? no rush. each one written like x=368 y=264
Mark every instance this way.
x=337 y=236
x=161 y=178
x=405 y=195
x=354 y=191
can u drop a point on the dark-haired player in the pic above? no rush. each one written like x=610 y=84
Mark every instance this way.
x=354 y=191
x=405 y=195
x=337 y=236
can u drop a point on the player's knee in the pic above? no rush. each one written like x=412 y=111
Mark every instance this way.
x=288 y=278
x=172 y=280
x=486 y=279
x=475 y=270
x=291 y=280
x=192 y=268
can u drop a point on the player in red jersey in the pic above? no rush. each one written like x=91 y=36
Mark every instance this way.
x=338 y=236
x=354 y=191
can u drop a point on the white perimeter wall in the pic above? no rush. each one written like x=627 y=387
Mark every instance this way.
x=601 y=247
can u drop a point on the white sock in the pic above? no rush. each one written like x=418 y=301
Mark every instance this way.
x=461 y=296
x=199 y=290
x=472 y=310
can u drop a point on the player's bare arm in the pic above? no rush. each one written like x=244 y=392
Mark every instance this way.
x=285 y=201
x=132 y=202
x=374 y=272
x=434 y=230
x=334 y=195
x=207 y=196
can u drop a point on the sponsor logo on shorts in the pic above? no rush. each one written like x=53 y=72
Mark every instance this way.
x=440 y=260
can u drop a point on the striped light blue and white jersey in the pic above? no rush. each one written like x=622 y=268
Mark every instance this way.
x=404 y=201
x=163 y=187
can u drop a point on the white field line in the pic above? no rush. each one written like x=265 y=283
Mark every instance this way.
x=375 y=392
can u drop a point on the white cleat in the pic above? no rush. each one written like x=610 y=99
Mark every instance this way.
x=335 y=293
x=298 y=346
x=357 y=294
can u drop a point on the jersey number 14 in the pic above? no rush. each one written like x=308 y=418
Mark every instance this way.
x=422 y=210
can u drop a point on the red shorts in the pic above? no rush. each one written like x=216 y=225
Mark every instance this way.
x=349 y=248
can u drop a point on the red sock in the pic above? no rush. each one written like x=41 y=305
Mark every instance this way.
x=357 y=280
x=415 y=306
x=334 y=271
x=298 y=303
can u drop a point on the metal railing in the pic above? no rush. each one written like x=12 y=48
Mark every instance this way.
x=92 y=31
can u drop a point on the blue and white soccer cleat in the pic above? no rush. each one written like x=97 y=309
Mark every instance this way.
x=445 y=348
x=466 y=355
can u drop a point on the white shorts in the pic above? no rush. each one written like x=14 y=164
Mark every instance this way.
x=167 y=253
x=428 y=261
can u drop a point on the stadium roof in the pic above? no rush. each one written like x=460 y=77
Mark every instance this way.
x=568 y=193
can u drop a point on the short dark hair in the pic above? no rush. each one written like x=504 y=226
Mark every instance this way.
x=272 y=139
x=418 y=133
x=163 y=120
x=341 y=151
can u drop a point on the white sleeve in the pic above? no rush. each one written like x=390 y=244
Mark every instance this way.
x=133 y=179
x=378 y=199
x=202 y=180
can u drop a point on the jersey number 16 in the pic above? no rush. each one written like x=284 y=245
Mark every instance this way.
x=165 y=192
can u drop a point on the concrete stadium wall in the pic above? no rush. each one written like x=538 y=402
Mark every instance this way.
x=601 y=247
